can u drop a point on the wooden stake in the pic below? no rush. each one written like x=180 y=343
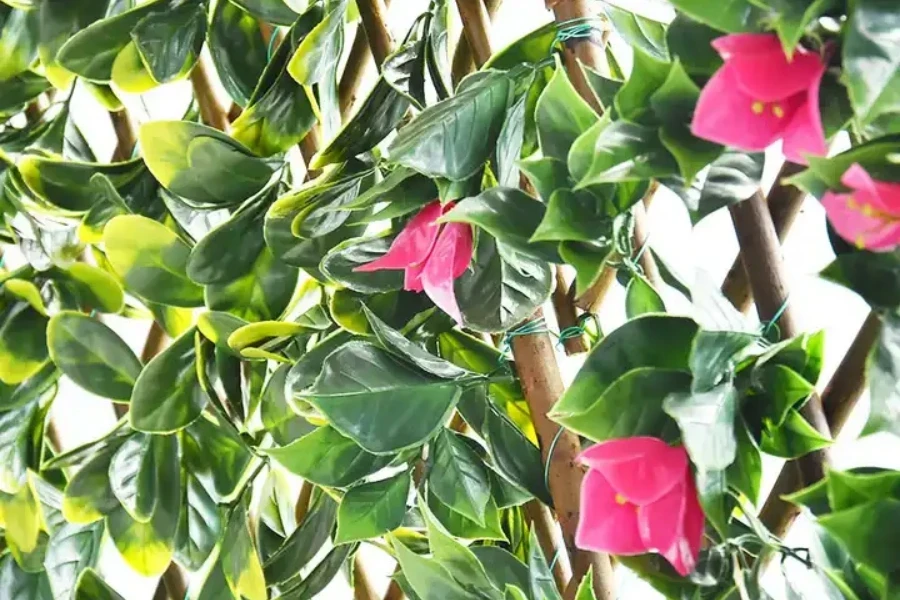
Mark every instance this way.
x=566 y=317
x=210 y=110
x=125 y=134
x=536 y=365
x=476 y=25
x=784 y=202
x=761 y=255
x=463 y=63
x=840 y=397
x=373 y=14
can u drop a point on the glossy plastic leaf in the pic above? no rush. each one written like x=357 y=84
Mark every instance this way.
x=240 y=560
x=237 y=49
x=328 y=458
x=320 y=51
x=341 y=261
x=706 y=420
x=458 y=477
x=732 y=16
x=58 y=22
x=71 y=550
x=872 y=59
x=188 y=159
x=89 y=496
x=151 y=259
x=91 y=586
x=454 y=138
x=92 y=355
x=641 y=298
x=561 y=115
x=199 y=525
x=276 y=12
x=627 y=151
x=23 y=343
x=304 y=543
x=216 y=456
x=262 y=294
x=229 y=251
x=639 y=32
x=170 y=42
x=369 y=510
x=167 y=395
x=428 y=579
x=502 y=288
x=380 y=403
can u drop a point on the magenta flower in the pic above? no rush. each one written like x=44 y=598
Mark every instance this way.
x=868 y=215
x=760 y=96
x=432 y=256
x=639 y=496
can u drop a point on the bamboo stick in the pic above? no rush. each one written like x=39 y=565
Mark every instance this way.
x=761 y=255
x=784 y=202
x=373 y=14
x=463 y=62
x=476 y=25
x=210 y=110
x=566 y=317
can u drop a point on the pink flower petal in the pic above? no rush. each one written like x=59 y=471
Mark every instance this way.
x=685 y=550
x=606 y=523
x=746 y=43
x=660 y=522
x=448 y=260
x=805 y=135
x=883 y=196
x=771 y=77
x=641 y=469
x=412 y=278
x=728 y=116
x=413 y=244
x=857 y=224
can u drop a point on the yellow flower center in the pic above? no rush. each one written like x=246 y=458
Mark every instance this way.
x=758 y=107
x=620 y=499
x=778 y=111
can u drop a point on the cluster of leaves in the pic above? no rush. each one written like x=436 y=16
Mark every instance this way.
x=286 y=360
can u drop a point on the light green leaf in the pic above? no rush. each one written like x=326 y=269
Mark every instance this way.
x=706 y=420
x=428 y=579
x=639 y=32
x=561 y=115
x=240 y=560
x=641 y=298
x=732 y=16
x=321 y=49
x=626 y=151
x=262 y=294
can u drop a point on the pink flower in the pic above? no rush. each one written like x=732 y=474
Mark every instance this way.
x=869 y=215
x=639 y=496
x=760 y=96
x=432 y=256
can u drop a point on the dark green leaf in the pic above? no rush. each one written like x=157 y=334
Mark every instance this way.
x=794 y=438
x=690 y=42
x=639 y=32
x=862 y=530
x=428 y=579
x=199 y=525
x=647 y=75
x=240 y=561
x=92 y=355
x=561 y=115
x=19 y=89
x=271 y=11
x=543 y=586
x=454 y=138
x=260 y=295
x=91 y=587
x=237 y=49
x=872 y=58
x=304 y=543
x=170 y=42
x=320 y=50
x=883 y=378
x=514 y=455
x=706 y=421
x=732 y=178
x=167 y=395
x=71 y=550
x=458 y=477
x=216 y=456
x=380 y=403
x=369 y=510
x=502 y=288
x=732 y=16
x=626 y=151
x=229 y=251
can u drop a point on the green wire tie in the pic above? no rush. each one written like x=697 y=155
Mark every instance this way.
x=578 y=330
x=529 y=328
x=574 y=29
x=771 y=326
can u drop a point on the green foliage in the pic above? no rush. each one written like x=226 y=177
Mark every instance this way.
x=273 y=356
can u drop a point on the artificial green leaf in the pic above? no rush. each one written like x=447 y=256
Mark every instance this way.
x=229 y=251
x=169 y=42
x=94 y=288
x=561 y=115
x=378 y=115
x=369 y=510
x=92 y=355
x=428 y=579
x=72 y=550
x=454 y=138
x=627 y=151
x=515 y=456
x=240 y=560
x=792 y=439
x=690 y=42
x=458 y=477
x=885 y=361
x=638 y=343
x=510 y=142
x=502 y=568
x=321 y=49
x=140 y=471
x=187 y=158
x=502 y=288
x=732 y=16
x=641 y=298
x=23 y=343
x=706 y=421
x=714 y=355
x=148 y=547
x=508 y=214
x=863 y=532
x=871 y=58
x=304 y=543
x=825 y=174
x=873 y=275
x=91 y=52
x=280 y=111
x=262 y=294
x=575 y=215
x=639 y=32
x=216 y=456
x=18 y=90
x=546 y=175
x=91 y=587
x=167 y=395
x=394 y=342
x=378 y=402
x=321 y=575
x=237 y=49
x=199 y=525
x=532 y=47
x=150 y=258
x=732 y=178
x=58 y=21
x=89 y=496
x=19 y=35
x=648 y=74
x=276 y=12
x=541 y=578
